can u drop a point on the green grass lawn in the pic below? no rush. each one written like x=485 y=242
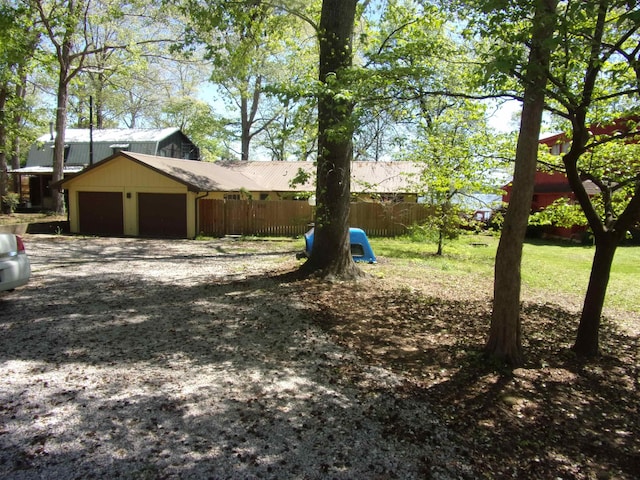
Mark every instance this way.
x=566 y=268
x=547 y=266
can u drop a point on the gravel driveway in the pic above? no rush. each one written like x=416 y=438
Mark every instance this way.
x=131 y=358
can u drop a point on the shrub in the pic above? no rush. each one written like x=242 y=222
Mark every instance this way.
x=10 y=202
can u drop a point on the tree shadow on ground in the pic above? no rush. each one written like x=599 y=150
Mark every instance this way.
x=556 y=417
x=136 y=373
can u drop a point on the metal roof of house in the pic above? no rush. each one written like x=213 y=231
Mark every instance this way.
x=39 y=170
x=105 y=143
x=113 y=135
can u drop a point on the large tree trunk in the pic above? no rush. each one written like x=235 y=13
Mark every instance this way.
x=4 y=183
x=248 y=112
x=16 y=142
x=245 y=129
x=587 y=338
x=504 y=340
x=608 y=236
x=609 y=230
x=58 y=144
x=331 y=254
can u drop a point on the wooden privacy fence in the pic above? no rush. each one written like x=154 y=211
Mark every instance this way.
x=292 y=217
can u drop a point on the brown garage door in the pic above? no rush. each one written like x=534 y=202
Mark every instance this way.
x=162 y=215
x=100 y=213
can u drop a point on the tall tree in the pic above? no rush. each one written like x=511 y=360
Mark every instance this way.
x=595 y=88
x=331 y=255
x=64 y=22
x=505 y=338
x=293 y=130
x=134 y=73
x=405 y=54
x=18 y=40
x=250 y=45
x=457 y=155
x=413 y=82
x=70 y=27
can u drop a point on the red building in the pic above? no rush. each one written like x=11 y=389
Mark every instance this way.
x=548 y=188
x=551 y=186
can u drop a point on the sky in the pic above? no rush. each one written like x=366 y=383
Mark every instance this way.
x=506 y=117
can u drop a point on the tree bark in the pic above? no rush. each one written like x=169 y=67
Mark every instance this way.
x=331 y=254
x=16 y=142
x=505 y=338
x=609 y=231
x=245 y=129
x=58 y=144
x=587 y=338
x=4 y=208
x=248 y=112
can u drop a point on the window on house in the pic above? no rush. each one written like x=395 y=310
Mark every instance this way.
x=391 y=198
x=232 y=196
x=67 y=149
x=187 y=149
x=169 y=151
x=264 y=196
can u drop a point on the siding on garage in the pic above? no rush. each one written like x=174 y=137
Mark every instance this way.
x=130 y=179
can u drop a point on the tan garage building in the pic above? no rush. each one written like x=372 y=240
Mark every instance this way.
x=142 y=195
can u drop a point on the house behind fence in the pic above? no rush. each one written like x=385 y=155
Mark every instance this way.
x=134 y=194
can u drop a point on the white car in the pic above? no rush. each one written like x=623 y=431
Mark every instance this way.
x=15 y=268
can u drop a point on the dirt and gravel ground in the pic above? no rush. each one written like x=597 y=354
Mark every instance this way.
x=130 y=358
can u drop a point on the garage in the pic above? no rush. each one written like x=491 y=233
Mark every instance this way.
x=101 y=213
x=133 y=194
x=162 y=215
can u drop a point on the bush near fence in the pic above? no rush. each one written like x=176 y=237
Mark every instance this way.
x=292 y=217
